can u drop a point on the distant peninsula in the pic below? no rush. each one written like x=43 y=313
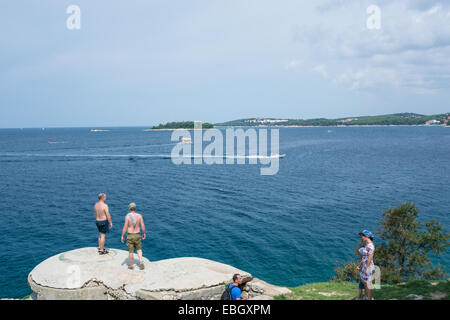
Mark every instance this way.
x=180 y=125
x=390 y=119
x=396 y=119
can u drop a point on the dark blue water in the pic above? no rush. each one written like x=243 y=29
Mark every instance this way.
x=288 y=229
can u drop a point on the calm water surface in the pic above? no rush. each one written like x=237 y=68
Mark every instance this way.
x=288 y=229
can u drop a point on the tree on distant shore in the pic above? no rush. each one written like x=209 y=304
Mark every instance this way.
x=182 y=125
x=405 y=248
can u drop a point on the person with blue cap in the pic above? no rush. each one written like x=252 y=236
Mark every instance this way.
x=366 y=266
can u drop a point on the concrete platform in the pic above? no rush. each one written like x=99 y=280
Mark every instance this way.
x=84 y=274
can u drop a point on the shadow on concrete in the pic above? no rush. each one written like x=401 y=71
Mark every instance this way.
x=136 y=262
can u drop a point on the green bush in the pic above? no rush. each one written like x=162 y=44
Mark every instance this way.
x=403 y=253
x=346 y=272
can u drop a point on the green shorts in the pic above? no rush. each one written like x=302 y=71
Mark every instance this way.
x=134 y=242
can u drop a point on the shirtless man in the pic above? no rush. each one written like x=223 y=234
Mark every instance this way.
x=102 y=218
x=131 y=226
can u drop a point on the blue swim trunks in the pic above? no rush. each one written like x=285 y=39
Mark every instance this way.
x=361 y=285
x=102 y=226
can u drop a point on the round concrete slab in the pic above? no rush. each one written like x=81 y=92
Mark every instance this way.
x=84 y=274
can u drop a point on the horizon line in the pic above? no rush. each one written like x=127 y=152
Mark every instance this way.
x=149 y=127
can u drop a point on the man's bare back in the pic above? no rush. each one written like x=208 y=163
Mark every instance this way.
x=139 y=222
x=100 y=211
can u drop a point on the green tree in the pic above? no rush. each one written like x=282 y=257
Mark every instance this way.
x=182 y=125
x=405 y=248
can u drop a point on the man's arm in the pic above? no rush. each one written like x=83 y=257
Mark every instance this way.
x=124 y=229
x=108 y=216
x=239 y=295
x=143 y=228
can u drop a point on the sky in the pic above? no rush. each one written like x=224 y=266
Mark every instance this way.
x=140 y=63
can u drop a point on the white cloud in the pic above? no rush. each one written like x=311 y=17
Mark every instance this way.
x=320 y=69
x=411 y=50
x=293 y=65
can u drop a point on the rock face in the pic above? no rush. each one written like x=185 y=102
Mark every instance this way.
x=84 y=274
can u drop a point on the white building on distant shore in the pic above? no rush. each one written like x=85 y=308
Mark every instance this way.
x=266 y=121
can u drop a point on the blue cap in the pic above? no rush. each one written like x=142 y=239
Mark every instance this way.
x=366 y=233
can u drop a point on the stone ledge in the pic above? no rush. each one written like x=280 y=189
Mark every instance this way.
x=84 y=274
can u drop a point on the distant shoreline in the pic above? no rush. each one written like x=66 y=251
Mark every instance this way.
x=405 y=118
x=337 y=126
x=389 y=120
x=309 y=126
x=238 y=126
x=167 y=129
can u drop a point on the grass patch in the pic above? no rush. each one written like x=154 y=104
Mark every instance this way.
x=343 y=290
x=322 y=291
x=428 y=290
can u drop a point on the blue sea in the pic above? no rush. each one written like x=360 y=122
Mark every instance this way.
x=287 y=229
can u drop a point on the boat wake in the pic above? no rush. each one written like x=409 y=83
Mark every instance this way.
x=129 y=156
